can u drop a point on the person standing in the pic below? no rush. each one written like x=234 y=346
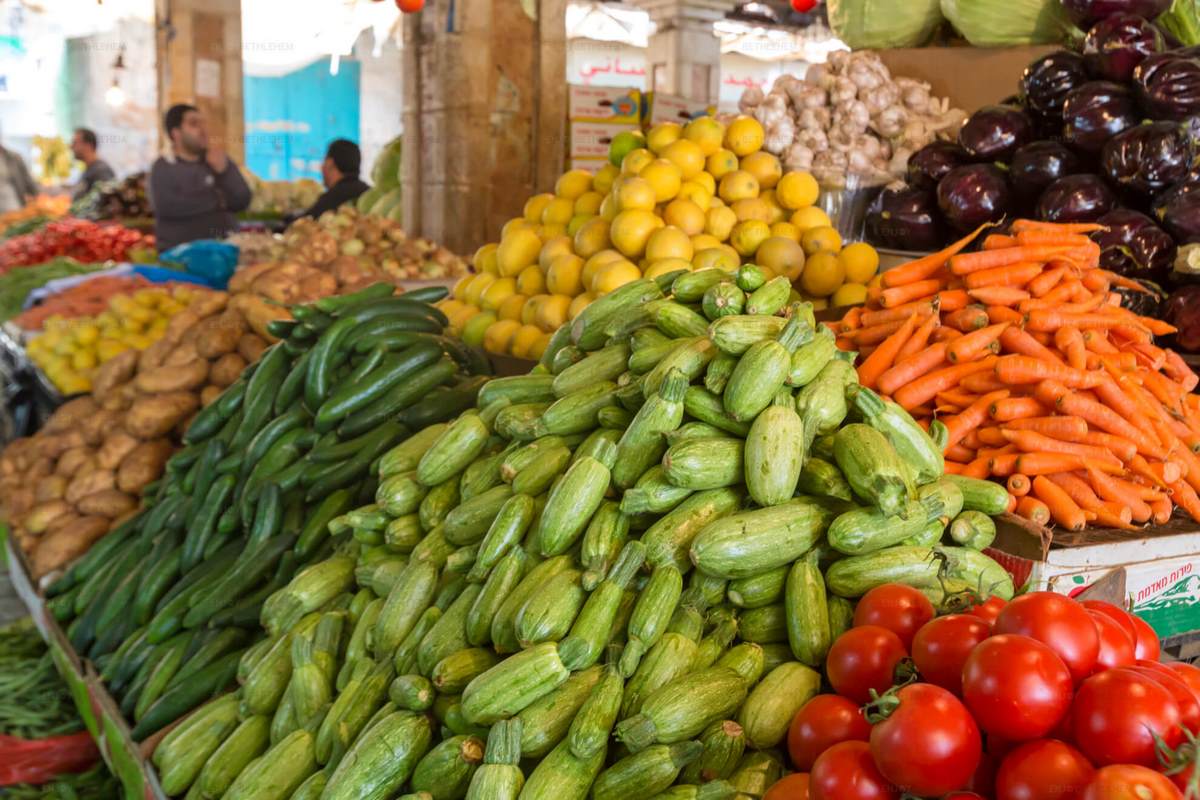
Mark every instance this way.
x=84 y=146
x=339 y=171
x=196 y=189
x=16 y=184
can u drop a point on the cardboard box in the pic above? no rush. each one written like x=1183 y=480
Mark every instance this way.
x=610 y=104
x=672 y=108
x=970 y=76
x=590 y=140
x=591 y=165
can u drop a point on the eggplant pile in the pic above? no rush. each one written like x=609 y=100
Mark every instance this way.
x=1105 y=134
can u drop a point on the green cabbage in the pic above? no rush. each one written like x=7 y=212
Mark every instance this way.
x=1183 y=21
x=880 y=24
x=1003 y=23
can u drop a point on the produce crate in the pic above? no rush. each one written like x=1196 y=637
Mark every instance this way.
x=99 y=712
x=1159 y=567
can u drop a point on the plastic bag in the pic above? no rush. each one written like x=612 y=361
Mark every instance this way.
x=209 y=259
x=39 y=761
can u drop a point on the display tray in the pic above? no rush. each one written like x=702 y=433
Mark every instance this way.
x=128 y=761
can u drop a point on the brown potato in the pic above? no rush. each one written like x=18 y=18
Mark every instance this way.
x=67 y=542
x=71 y=461
x=251 y=347
x=219 y=335
x=108 y=503
x=18 y=501
x=44 y=514
x=143 y=465
x=52 y=487
x=184 y=352
x=245 y=276
x=226 y=369
x=116 y=400
x=95 y=429
x=113 y=373
x=209 y=394
x=155 y=415
x=207 y=303
x=173 y=377
x=259 y=313
x=42 y=468
x=154 y=355
x=82 y=485
x=116 y=447
x=318 y=285
x=70 y=414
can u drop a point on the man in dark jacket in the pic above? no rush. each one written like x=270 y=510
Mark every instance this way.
x=84 y=145
x=339 y=171
x=196 y=190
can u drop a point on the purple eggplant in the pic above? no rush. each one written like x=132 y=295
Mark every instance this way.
x=1096 y=112
x=1047 y=81
x=972 y=195
x=993 y=133
x=1116 y=45
x=1168 y=85
x=1178 y=210
x=906 y=219
x=1035 y=166
x=930 y=164
x=1148 y=158
x=1183 y=311
x=1134 y=246
x=1087 y=12
x=1076 y=198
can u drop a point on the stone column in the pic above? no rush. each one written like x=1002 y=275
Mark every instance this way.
x=683 y=56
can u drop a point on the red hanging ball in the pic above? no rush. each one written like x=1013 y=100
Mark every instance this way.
x=411 y=6
x=803 y=6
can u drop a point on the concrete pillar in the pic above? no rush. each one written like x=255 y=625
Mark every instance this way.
x=683 y=56
x=484 y=114
x=199 y=46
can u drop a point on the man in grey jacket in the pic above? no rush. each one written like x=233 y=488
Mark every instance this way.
x=196 y=190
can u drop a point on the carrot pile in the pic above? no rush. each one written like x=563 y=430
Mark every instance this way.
x=1041 y=379
x=86 y=299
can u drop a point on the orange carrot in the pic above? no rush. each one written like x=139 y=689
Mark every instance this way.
x=912 y=368
x=927 y=386
x=1015 y=408
x=957 y=452
x=975 y=344
x=1033 y=510
x=1001 y=464
x=1012 y=275
x=1114 y=515
x=997 y=314
x=1121 y=447
x=1035 y=237
x=1180 y=372
x=1034 y=442
x=897 y=314
x=1055 y=395
x=1160 y=473
x=1047 y=280
x=1185 y=497
x=967 y=263
x=876 y=333
x=1049 y=320
x=976 y=469
x=919 y=339
x=998 y=241
x=971 y=418
x=1061 y=506
x=1015 y=340
x=884 y=356
x=982 y=383
x=967 y=319
x=945 y=334
x=998 y=295
x=1069 y=340
x=1027 y=369
x=1110 y=488
x=1162 y=510
x=1059 y=227
x=1018 y=485
x=899 y=295
x=991 y=436
x=955 y=396
x=952 y=300
x=955 y=468
x=1049 y=463
x=926 y=266
x=851 y=320
x=1068 y=429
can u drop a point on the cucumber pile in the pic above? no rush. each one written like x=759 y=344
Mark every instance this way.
x=617 y=577
x=167 y=603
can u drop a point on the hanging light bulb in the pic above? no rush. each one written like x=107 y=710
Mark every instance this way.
x=115 y=96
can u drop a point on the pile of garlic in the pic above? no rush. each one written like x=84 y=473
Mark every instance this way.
x=849 y=122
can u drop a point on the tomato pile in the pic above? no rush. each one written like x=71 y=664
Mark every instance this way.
x=1042 y=698
x=79 y=239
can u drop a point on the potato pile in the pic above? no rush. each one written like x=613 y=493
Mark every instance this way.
x=67 y=485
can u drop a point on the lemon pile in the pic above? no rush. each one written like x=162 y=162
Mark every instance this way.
x=689 y=197
x=70 y=348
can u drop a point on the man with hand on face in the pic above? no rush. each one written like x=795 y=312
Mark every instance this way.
x=196 y=189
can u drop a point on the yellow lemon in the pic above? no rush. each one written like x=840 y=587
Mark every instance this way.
x=860 y=261
x=597 y=261
x=738 y=185
x=531 y=281
x=785 y=229
x=577 y=222
x=631 y=230
x=819 y=303
x=668 y=242
x=516 y=224
x=485 y=258
x=588 y=203
x=662 y=135
x=703 y=241
x=579 y=304
x=751 y=208
x=685 y=215
x=778 y=212
x=721 y=163
x=707 y=181
x=573 y=183
x=824 y=238
x=764 y=167
x=552 y=248
x=558 y=211
x=476 y=327
x=497 y=292
x=552 y=312
x=565 y=275
x=511 y=306
x=517 y=251
x=797 y=190
x=635 y=192
x=822 y=275
x=849 y=294
x=744 y=136
x=525 y=339
x=636 y=161
x=592 y=237
x=722 y=257
x=499 y=335
x=551 y=230
x=535 y=205
x=706 y=132
x=665 y=177
x=459 y=292
x=482 y=281
x=666 y=266
x=613 y=276
x=529 y=312
x=539 y=347
x=686 y=155
x=719 y=222
x=781 y=255
x=810 y=217
x=747 y=236
x=609 y=207
x=695 y=193
x=602 y=181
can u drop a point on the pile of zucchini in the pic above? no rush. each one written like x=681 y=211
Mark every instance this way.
x=617 y=577
x=167 y=603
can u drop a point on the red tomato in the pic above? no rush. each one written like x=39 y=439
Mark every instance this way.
x=899 y=608
x=1017 y=687
x=791 y=787
x=862 y=659
x=1147 y=646
x=822 y=722
x=1116 y=715
x=1057 y=621
x=846 y=771
x=1118 y=615
x=1128 y=782
x=1046 y=769
x=983 y=782
x=941 y=647
x=989 y=609
x=929 y=744
x=1190 y=675
x=1116 y=648
x=1185 y=698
